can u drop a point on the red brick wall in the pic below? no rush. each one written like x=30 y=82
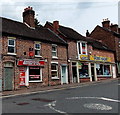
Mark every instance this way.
x=22 y=46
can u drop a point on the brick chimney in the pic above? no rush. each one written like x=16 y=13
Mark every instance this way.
x=119 y=30
x=55 y=26
x=28 y=16
x=106 y=23
x=114 y=27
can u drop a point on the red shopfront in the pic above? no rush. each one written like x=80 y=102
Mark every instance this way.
x=30 y=71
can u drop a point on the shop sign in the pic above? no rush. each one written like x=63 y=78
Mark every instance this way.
x=31 y=62
x=22 y=76
x=100 y=58
x=83 y=57
x=79 y=65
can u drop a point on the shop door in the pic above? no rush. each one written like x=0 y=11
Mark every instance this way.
x=64 y=74
x=92 y=72
x=8 y=78
x=74 y=71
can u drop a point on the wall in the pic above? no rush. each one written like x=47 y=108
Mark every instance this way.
x=22 y=46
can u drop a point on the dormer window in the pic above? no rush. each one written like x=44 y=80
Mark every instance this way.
x=82 y=48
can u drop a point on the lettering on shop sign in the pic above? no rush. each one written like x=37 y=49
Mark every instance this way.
x=31 y=63
x=95 y=58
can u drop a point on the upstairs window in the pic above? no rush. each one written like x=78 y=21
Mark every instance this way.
x=11 y=45
x=54 y=50
x=37 y=49
x=82 y=48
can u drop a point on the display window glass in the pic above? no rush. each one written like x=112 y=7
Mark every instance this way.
x=83 y=70
x=35 y=74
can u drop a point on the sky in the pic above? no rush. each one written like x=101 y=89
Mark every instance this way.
x=81 y=15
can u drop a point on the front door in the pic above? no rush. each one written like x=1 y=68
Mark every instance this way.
x=64 y=77
x=74 y=72
x=8 y=78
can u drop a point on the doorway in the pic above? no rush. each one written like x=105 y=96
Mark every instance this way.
x=8 y=76
x=92 y=72
x=64 y=76
x=74 y=72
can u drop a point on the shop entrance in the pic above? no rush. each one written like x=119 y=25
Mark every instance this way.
x=92 y=72
x=74 y=72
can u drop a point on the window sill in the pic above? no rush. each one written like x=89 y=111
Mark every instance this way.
x=38 y=56
x=55 y=78
x=54 y=57
x=12 y=54
x=35 y=81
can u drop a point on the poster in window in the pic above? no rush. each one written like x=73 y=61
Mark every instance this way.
x=34 y=74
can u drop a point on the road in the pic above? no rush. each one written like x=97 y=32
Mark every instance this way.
x=93 y=98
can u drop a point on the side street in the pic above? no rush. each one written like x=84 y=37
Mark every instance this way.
x=36 y=57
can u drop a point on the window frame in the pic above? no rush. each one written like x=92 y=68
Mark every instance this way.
x=36 y=49
x=13 y=46
x=54 y=45
x=80 y=49
x=36 y=80
x=56 y=77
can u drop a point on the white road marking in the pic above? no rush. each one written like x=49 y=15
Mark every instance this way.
x=100 y=98
x=97 y=106
x=118 y=84
x=52 y=105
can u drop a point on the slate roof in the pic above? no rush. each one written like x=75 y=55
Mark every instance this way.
x=71 y=34
x=20 y=29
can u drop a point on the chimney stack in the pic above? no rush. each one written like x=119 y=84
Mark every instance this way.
x=114 y=27
x=87 y=33
x=28 y=16
x=106 y=23
x=55 y=25
x=119 y=30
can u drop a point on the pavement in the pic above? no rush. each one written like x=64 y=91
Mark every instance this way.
x=29 y=91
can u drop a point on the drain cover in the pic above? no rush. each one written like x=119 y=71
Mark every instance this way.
x=97 y=106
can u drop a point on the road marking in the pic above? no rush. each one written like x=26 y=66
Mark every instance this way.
x=52 y=105
x=100 y=98
x=98 y=106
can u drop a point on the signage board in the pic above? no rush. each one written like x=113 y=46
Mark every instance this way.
x=28 y=62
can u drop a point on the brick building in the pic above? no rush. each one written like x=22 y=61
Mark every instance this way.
x=109 y=34
x=89 y=60
x=31 y=56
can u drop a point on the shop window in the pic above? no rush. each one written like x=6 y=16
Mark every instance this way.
x=103 y=69
x=35 y=74
x=83 y=70
x=54 y=70
x=37 y=49
x=54 y=50
x=82 y=48
x=11 y=45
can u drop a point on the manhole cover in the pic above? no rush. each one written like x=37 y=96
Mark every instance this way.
x=42 y=100
x=97 y=106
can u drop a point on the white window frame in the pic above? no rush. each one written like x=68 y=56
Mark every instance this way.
x=36 y=80
x=38 y=49
x=80 y=49
x=14 y=53
x=54 y=45
x=56 y=77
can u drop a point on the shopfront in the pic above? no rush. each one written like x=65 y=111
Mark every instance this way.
x=30 y=71
x=95 y=68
